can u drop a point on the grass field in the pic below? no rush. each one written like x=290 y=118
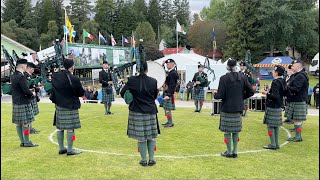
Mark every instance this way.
x=193 y=134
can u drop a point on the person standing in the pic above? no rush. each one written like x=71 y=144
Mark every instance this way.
x=143 y=121
x=310 y=92
x=182 y=90
x=66 y=90
x=22 y=111
x=316 y=95
x=200 y=80
x=105 y=78
x=233 y=88
x=244 y=71
x=297 y=94
x=273 y=114
x=94 y=94
x=189 y=89
x=168 y=94
x=33 y=87
x=288 y=79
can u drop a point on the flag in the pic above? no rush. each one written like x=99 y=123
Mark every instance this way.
x=124 y=40
x=113 y=42
x=68 y=23
x=214 y=39
x=102 y=38
x=179 y=28
x=73 y=34
x=86 y=34
x=65 y=30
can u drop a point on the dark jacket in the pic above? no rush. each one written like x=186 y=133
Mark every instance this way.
x=171 y=82
x=247 y=75
x=298 y=87
x=204 y=77
x=233 y=89
x=144 y=100
x=105 y=77
x=31 y=83
x=94 y=95
x=189 y=86
x=63 y=95
x=20 y=91
x=275 y=95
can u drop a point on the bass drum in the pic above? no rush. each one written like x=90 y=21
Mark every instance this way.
x=157 y=71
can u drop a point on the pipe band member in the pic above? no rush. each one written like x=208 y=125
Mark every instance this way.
x=105 y=78
x=66 y=90
x=233 y=88
x=22 y=111
x=168 y=94
x=200 y=80
x=273 y=113
x=140 y=93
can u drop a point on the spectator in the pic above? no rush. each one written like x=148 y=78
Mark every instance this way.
x=182 y=90
x=87 y=93
x=316 y=95
x=310 y=92
x=189 y=89
x=94 y=95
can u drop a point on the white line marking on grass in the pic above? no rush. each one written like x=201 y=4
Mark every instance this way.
x=166 y=156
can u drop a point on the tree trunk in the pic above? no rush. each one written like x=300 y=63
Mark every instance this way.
x=271 y=50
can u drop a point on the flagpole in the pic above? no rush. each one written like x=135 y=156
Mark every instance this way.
x=83 y=36
x=99 y=46
x=177 y=37
x=65 y=23
x=122 y=40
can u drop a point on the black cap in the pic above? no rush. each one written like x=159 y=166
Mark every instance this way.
x=169 y=61
x=232 y=63
x=22 y=61
x=68 y=63
x=200 y=65
x=297 y=61
x=30 y=64
x=242 y=63
x=105 y=62
x=289 y=67
x=279 y=69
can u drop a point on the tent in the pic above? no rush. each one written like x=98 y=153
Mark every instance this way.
x=266 y=66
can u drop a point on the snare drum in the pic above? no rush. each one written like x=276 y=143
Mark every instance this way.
x=257 y=102
x=216 y=106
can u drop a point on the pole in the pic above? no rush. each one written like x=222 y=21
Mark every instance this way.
x=83 y=36
x=122 y=41
x=99 y=46
x=177 y=42
x=65 y=23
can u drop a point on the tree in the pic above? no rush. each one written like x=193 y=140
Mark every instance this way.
x=218 y=10
x=91 y=27
x=166 y=32
x=154 y=14
x=204 y=30
x=140 y=7
x=182 y=12
x=12 y=9
x=153 y=54
x=196 y=17
x=28 y=37
x=8 y=29
x=144 y=31
x=46 y=13
x=60 y=16
x=171 y=42
x=80 y=9
x=52 y=34
x=166 y=13
x=104 y=15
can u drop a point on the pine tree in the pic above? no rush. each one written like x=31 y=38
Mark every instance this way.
x=166 y=12
x=144 y=31
x=60 y=16
x=104 y=15
x=154 y=14
x=140 y=7
x=80 y=9
x=46 y=14
x=17 y=10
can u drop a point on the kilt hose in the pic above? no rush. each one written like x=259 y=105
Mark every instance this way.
x=245 y=104
x=230 y=122
x=67 y=118
x=169 y=104
x=273 y=117
x=22 y=114
x=198 y=94
x=107 y=97
x=296 y=111
x=35 y=106
x=142 y=126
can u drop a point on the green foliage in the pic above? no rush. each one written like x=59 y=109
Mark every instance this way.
x=166 y=12
x=218 y=10
x=80 y=9
x=8 y=29
x=46 y=39
x=171 y=42
x=91 y=27
x=154 y=14
x=153 y=54
x=166 y=32
x=141 y=9
x=196 y=17
x=12 y=10
x=104 y=10
x=181 y=9
x=144 y=31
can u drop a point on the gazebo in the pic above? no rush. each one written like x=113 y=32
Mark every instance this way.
x=266 y=66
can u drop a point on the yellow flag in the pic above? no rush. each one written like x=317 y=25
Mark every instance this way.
x=69 y=25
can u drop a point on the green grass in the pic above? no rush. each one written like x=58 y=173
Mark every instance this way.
x=193 y=134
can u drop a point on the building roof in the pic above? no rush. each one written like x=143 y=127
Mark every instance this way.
x=169 y=51
x=273 y=61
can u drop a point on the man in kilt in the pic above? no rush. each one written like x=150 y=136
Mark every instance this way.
x=273 y=114
x=22 y=111
x=233 y=88
x=105 y=78
x=297 y=94
x=316 y=95
x=200 y=80
x=33 y=86
x=66 y=90
x=168 y=94
x=288 y=79
x=244 y=71
x=142 y=121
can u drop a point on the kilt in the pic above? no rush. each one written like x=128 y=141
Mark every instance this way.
x=35 y=107
x=273 y=117
x=142 y=126
x=67 y=118
x=296 y=111
x=107 y=97
x=168 y=105
x=198 y=94
x=22 y=113
x=230 y=122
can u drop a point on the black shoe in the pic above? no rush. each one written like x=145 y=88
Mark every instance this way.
x=63 y=151
x=225 y=154
x=288 y=121
x=165 y=123
x=21 y=144
x=196 y=110
x=151 y=162
x=33 y=131
x=292 y=129
x=294 y=139
x=169 y=125
x=73 y=152
x=270 y=147
x=277 y=147
x=143 y=163
x=36 y=130
x=30 y=144
x=234 y=155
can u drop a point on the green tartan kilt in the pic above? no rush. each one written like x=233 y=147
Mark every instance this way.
x=35 y=106
x=142 y=126
x=22 y=114
x=67 y=118
x=168 y=105
x=273 y=117
x=230 y=122
x=245 y=103
x=198 y=94
x=107 y=97
x=296 y=111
